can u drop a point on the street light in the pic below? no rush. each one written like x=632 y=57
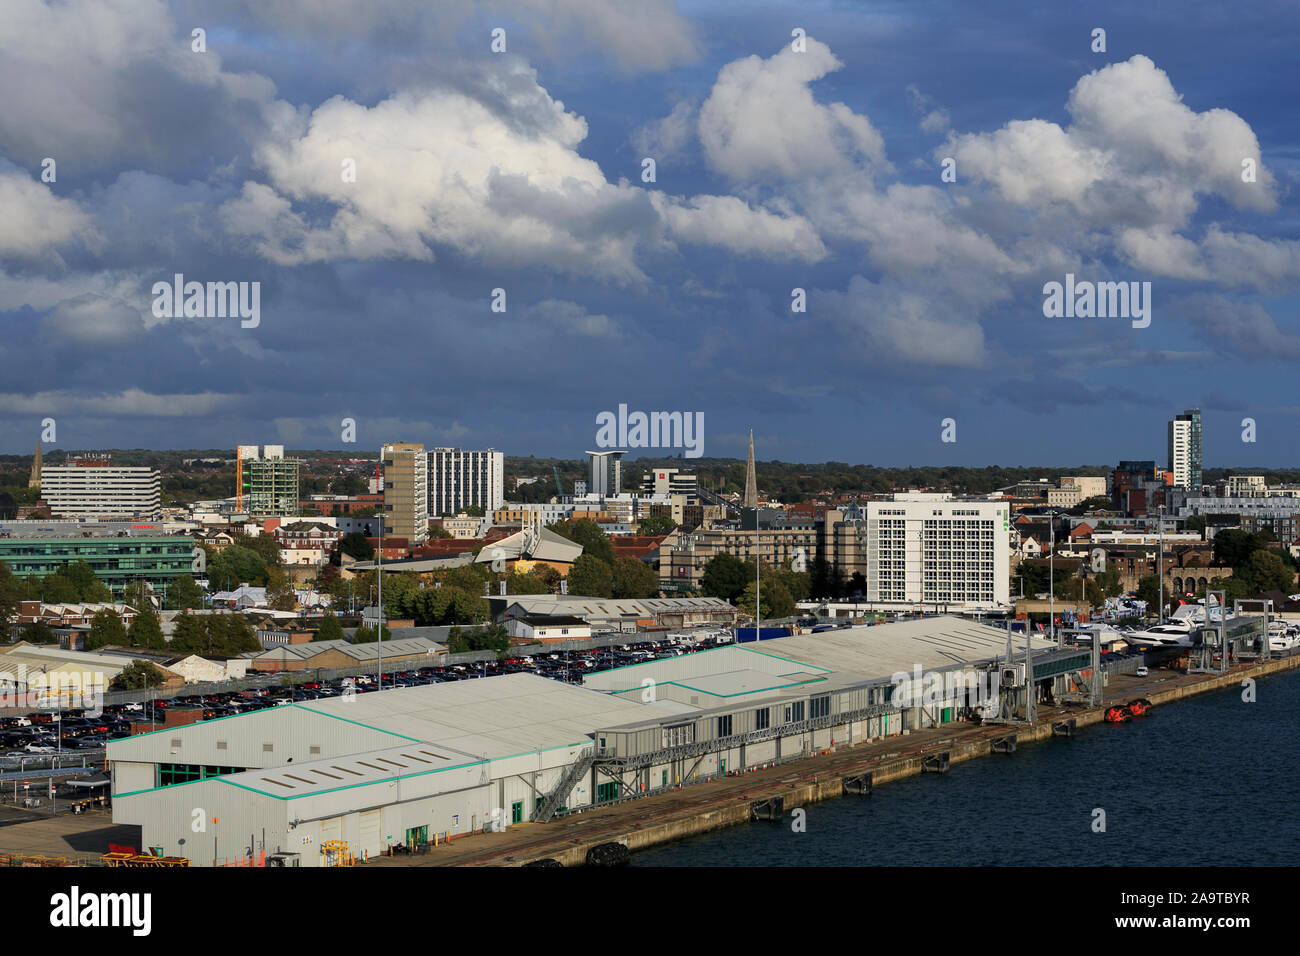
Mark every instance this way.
x=1160 y=566
x=379 y=574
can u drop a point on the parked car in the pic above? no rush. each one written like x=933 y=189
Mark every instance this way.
x=1141 y=671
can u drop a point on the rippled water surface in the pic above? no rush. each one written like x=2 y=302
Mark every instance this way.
x=1208 y=780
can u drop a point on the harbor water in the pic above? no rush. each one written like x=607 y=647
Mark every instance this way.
x=1209 y=780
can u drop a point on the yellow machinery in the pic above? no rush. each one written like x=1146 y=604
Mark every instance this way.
x=336 y=853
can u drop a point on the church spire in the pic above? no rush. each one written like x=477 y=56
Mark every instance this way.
x=751 y=481
x=35 y=480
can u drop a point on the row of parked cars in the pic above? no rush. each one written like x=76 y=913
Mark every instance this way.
x=49 y=733
x=24 y=736
x=562 y=665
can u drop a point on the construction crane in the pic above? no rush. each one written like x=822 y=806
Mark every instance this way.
x=558 y=489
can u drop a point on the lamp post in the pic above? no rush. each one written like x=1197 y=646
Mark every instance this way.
x=1051 y=580
x=1160 y=566
x=379 y=573
x=758 y=577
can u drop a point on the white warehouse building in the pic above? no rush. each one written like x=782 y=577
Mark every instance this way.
x=379 y=768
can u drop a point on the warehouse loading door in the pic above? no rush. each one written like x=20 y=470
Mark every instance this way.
x=331 y=829
x=370 y=822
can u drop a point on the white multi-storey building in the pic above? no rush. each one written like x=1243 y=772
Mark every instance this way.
x=92 y=488
x=1185 y=449
x=932 y=551
x=461 y=479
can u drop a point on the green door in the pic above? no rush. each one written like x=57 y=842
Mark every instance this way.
x=517 y=812
x=416 y=836
x=607 y=791
x=947 y=714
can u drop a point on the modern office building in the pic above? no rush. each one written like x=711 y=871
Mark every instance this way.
x=93 y=487
x=460 y=479
x=606 y=473
x=1185 y=449
x=117 y=561
x=933 y=550
x=268 y=482
x=671 y=481
x=406 y=496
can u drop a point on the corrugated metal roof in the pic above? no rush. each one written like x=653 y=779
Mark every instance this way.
x=493 y=717
x=336 y=773
x=864 y=653
x=404 y=647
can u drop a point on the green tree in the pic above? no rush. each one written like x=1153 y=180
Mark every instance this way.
x=1232 y=547
x=1149 y=590
x=231 y=635
x=1265 y=571
x=266 y=547
x=136 y=675
x=725 y=576
x=474 y=511
x=529 y=583
x=189 y=633
x=184 y=593
x=87 y=587
x=356 y=545
x=146 y=631
x=798 y=583
x=330 y=629
x=38 y=632
x=1195 y=523
x=633 y=578
x=591 y=576
x=656 y=525
x=235 y=565
x=366 y=635
x=11 y=593
x=492 y=638
x=775 y=601
x=279 y=590
x=105 y=628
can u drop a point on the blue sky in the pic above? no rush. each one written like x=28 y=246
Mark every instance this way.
x=775 y=169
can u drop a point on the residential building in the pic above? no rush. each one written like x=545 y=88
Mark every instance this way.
x=406 y=497
x=1245 y=486
x=460 y=479
x=938 y=551
x=1066 y=496
x=93 y=488
x=606 y=473
x=1185 y=449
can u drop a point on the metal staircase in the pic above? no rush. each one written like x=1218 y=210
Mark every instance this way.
x=556 y=797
